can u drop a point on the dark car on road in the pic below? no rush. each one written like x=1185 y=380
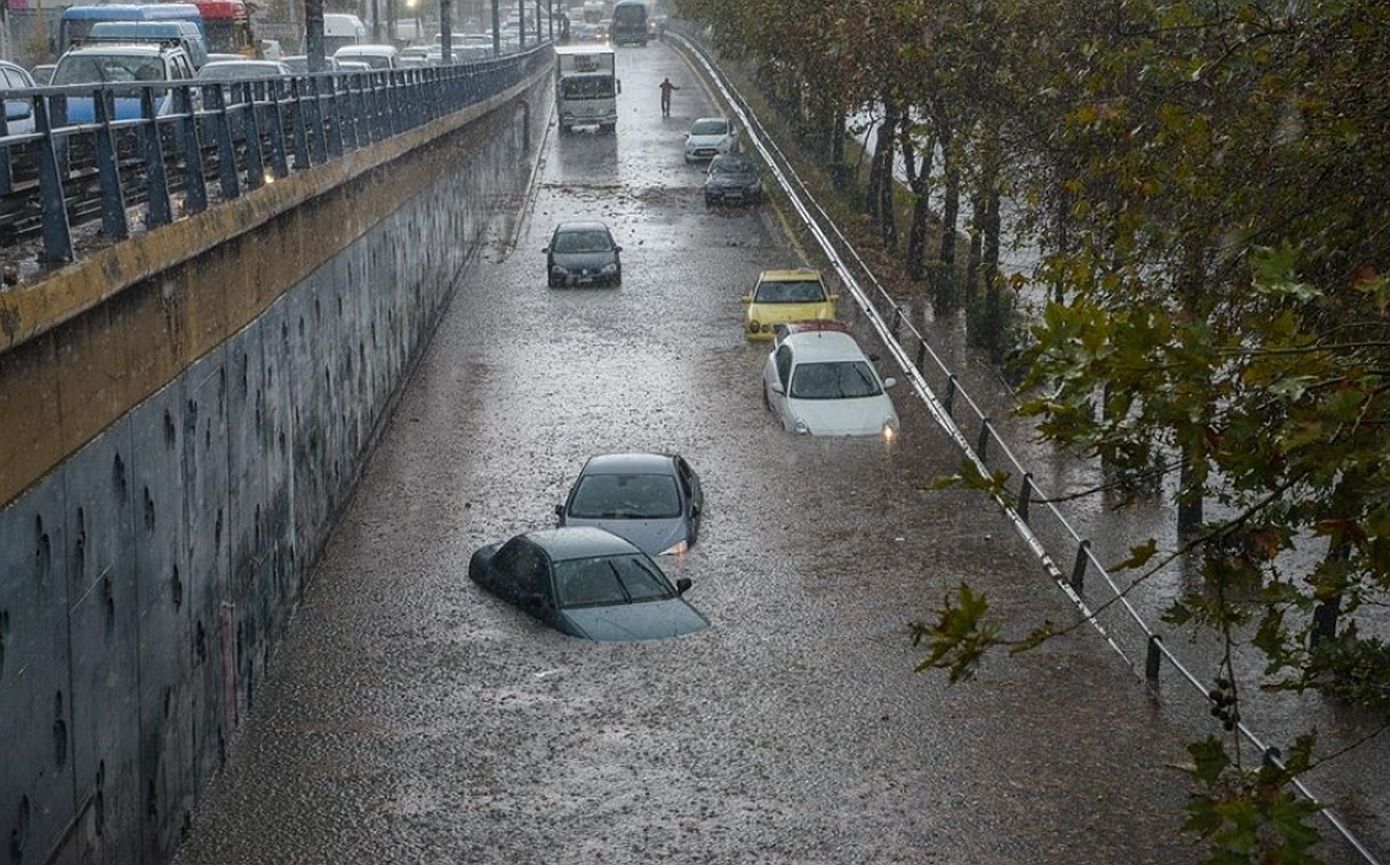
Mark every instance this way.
x=587 y=583
x=655 y=501
x=583 y=253
x=733 y=179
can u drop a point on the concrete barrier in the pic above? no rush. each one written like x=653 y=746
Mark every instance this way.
x=174 y=450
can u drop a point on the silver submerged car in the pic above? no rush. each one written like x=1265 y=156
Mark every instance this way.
x=654 y=501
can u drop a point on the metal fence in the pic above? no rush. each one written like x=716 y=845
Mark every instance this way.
x=1030 y=512
x=177 y=149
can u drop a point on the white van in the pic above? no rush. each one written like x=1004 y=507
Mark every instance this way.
x=340 y=30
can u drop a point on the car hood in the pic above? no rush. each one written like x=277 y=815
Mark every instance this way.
x=844 y=417
x=652 y=537
x=649 y=620
x=779 y=313
x=705 y=140
x=572 y=260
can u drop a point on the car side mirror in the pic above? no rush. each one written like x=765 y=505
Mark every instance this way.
x=619 y=82
x=683 y=585
x=545 y=249
x=889 y=382
x=874 y=358
x=834 y=298
x=617 y=248
x=747 y=298
x=533 y=601
x=560 y=511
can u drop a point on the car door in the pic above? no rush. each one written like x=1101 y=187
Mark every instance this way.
x=782 y=373
x=691 y=483
x=531 y=569
x=19 y=113
x=504 y=569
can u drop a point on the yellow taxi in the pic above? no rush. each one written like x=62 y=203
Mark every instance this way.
x=783 y=296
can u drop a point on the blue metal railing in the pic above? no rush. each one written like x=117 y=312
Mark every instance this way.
x=86 y=154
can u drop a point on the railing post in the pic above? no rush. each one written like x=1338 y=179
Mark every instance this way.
x=57 y=234
x=157 y=209
x=279 y=159
x=1078 y=569
x=251 y=127
x=226 y=148
x=896 y=323
x=921 y=354
x=301 y=129
x=6 y=174
x=113 y=219
x=982 y=443
x=195 y=190
x=318 y=130
x=1152 y=659
x=1025 y=493
x=950 y=399
x=334 y=124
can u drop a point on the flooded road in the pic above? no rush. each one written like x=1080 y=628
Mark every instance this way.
x=411 y=717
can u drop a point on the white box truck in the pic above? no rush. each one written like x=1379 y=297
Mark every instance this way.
x=586 y=88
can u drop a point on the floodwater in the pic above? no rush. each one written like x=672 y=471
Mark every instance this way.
x=411 y=717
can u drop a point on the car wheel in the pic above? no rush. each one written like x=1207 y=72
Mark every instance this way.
x=617 y=278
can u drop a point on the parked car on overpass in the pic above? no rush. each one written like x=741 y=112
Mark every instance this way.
x=299 y=64
x=230 y=70
x=43 y=73
x=116 y=65
x=19 y=113
x=375 y=56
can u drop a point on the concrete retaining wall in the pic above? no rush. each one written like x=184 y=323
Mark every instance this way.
x=145 y=579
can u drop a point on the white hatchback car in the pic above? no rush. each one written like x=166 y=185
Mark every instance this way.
x=710 y=137
x=818 y=382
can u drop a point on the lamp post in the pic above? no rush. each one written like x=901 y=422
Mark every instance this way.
x=414 y=7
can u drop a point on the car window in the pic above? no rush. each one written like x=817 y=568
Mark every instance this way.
x=687 y=475
x=181 y=68
x=615 y=497
x=607 y=580
x=784 y=364
x=709 y=127
x=848 y=379
x=799 y=291
x=582 y=241
x=530 y=569
x=108 y=69
x=505 y=562
x=726 y=165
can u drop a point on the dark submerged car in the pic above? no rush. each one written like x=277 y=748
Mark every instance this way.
x=654 y=501
x=733 y=179
x=587 y=583
x=583 y=253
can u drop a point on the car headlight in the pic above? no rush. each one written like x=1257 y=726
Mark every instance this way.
x=677 y=549
x=754 y=326
x=558 y=269
x=801 y=427
x=890 y=430
x=610 y=268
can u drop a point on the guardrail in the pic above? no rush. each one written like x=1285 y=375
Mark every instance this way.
x=193 y=143
x=894 y=326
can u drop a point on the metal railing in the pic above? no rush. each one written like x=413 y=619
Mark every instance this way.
x=894 y=326
x=189 y=144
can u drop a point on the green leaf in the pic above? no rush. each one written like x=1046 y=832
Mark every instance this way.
x=1138 y=556
x=1210 y=759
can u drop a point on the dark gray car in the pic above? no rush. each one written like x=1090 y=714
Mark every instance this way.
x=586 y=583
x=653 y=500
x=583 y=253
x=733 y=179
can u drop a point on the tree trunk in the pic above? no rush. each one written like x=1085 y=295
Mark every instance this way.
x=919 y=178
x=872 y=199
x=313 y=34
x=971 y=280
x=1190 y=499
x=837 y=140
x=950 y=212
x=887 y=136
x=994 y=312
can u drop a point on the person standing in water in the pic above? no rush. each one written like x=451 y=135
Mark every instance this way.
x=666 y=88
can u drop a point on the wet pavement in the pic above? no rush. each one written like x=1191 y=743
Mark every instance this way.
x=411 y=717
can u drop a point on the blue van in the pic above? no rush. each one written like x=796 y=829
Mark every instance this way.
x=77 y=21
x=182 y=32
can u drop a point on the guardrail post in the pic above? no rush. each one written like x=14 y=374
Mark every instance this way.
x=950 y=399
x=897 y=322
x=301 y=129
x=335 y=118
x=57 y=234
x=318 y=130
x=982 y=443
x=1152 y=659
x=921 y=354
x=1025 y=493
x=226 y=149
x=113 y=219
x=6 y=175
x=157 y=209
x=1078 y=569
x=195 y=190
x=251 y=130
x=279 y=160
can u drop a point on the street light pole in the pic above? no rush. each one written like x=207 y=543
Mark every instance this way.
x=446 y=31
x=496 y=29
x=521 y=22
x=538 y=22
x=376 y=22
x=313 y=33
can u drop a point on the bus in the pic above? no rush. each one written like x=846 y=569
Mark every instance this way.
x=227 y=26
x=630 y=23
x=77 y=21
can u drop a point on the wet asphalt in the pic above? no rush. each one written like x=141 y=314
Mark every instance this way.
x=410 y=717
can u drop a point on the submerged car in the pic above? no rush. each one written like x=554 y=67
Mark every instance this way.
x=733 y=179
x=818 y=382
x=583 y=253
x=782 y=296
x=653 y=501
x=587 y=583
x=710 y=137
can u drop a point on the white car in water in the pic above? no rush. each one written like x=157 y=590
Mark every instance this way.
x=710 y=137
x=817 y=381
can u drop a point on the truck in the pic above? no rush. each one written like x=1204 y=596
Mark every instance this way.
x=586 y=87
x=630 y=22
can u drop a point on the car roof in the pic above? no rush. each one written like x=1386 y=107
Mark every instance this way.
x=703 y=119
x=576 y=542
x=582 y=225
x=732 y=157
x=630 y=464
x=146 y=48
x=790 y=275
x=823 y=345
x=367 y=50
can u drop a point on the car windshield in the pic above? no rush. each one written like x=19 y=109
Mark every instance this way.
x=597 y=87
x=724 y=165
x=225 y=71
x=800 y=291
x=298 y=64
x=607 y=580
x=108 y=69
x=626 y=497
x=710 y=127
x=841 y=379
x=375 y=61
x=582 y=241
